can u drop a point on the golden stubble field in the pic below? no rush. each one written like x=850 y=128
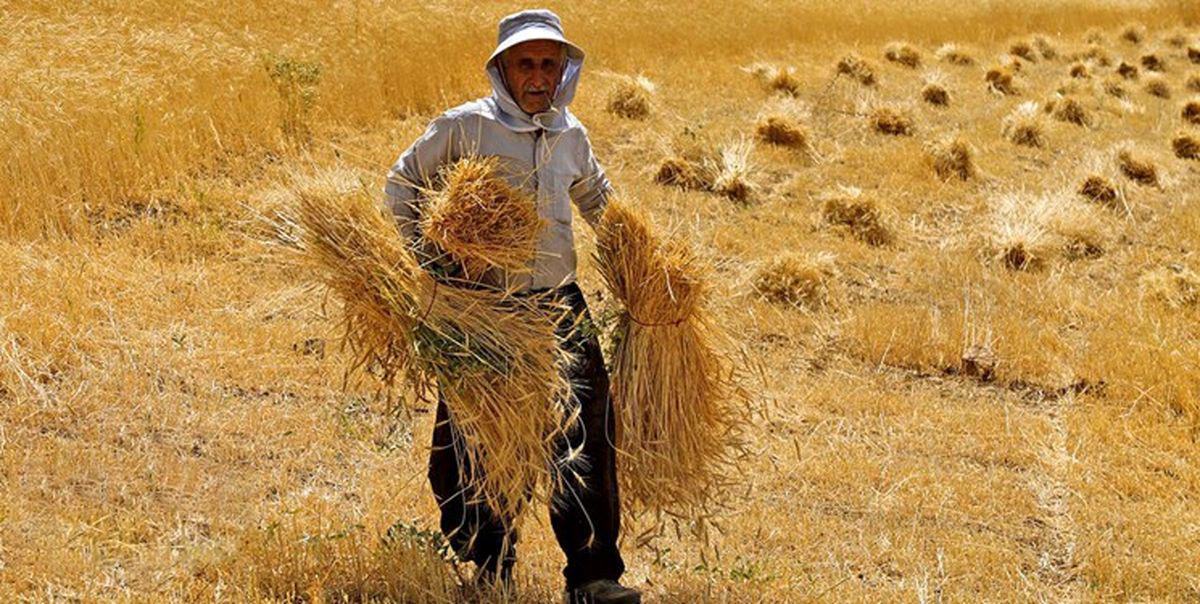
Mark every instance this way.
x=979 y=389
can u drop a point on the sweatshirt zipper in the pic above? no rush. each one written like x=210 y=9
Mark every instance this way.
x=537 y=138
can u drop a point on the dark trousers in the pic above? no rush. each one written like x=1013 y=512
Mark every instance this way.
x=586 y=519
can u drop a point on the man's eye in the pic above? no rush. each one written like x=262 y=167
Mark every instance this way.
x=549 y=65
x=526 y=65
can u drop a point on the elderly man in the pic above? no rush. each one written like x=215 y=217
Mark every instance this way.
x=544 y=149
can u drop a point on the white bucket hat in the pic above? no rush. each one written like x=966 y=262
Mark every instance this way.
x=536 y=24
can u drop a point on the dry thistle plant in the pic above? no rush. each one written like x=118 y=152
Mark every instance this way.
x=859 y=214
x=903 y=53
x=677 y=402
x=951 y=157
x=954 y=54
x=630 y=98
x=1191 y=112
x=934 y=91
x=857 y=68
x=1175 y=285
x=1000 y=80
x=1070 y=110
x=480 y=220
x=798 y=280
x=1157 y=86
x=1025 y=126
x=1153 y=62
x=1137 y=167
x=1023 y=49
x=892 y=120
x=1185 y=146
x=495 y=359
x=785 y=124
x=1128 y=71
x=733 y=170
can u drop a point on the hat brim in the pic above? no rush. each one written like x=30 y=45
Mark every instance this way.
x=536 y=33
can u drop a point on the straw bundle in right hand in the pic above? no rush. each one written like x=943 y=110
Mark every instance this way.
x=674 y=392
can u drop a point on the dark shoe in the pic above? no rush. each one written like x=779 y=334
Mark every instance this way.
x=604 y=591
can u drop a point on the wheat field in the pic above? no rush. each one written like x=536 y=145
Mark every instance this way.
x=958 y=243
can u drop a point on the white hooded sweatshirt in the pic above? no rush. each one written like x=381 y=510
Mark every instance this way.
x=547 y=154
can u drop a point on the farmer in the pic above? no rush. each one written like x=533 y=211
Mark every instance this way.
x=545 y=150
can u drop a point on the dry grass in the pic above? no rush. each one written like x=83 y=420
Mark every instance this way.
x=952 y=157
x=857 y=69
x=903 y=53
x=859 y=214
x=803 y=281
x=676 y=442
x=630 y=98
x=1175 y=285
x=1025 y=126
x=481 y=221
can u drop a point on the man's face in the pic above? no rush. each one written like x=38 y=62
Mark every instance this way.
x=532 y=70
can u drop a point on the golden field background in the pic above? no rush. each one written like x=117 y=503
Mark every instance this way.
x=175 y=425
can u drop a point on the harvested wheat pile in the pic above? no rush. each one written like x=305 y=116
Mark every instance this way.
x=1025 y=126
x=678 y=407
x=733 y=172
x=784 y=81
x=892 y=121
x=1094 y=55
x=630 y=98
x=1191 y=112
x=495 y=359
x=1133 y=33
x=1137 y=168
x=859 y=214
x=954 y=55
x=1101 y=190
x=1023 y=49
x=1153 y=62
x=1079 y=70
x=1186 y=146
x=797 y=280
x=683 y=171
x=1113 y=86
x=1045 y=47
x=1094 y=36
x=1157 y=86
x=1027 y=230
x=1175 y=285
x=1070 y=110
x=1193 y=54
x=857 y=68
x=1193 y=83
x=1000 y=80
x=783 y=130
x=903 y=53
x=952 y=157
x=479 y=220
x=934 y=91
x=1128 y=71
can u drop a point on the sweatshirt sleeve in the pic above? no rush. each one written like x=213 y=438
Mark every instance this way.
x=592 y=189
x=415 y=170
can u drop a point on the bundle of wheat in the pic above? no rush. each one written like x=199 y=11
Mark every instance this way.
x=494 y=358
x=954 y=54
x=903 y=53
x=951 y=157
x=630 y=98
x=677 y=402
x=479 y=220
x=857 y=68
